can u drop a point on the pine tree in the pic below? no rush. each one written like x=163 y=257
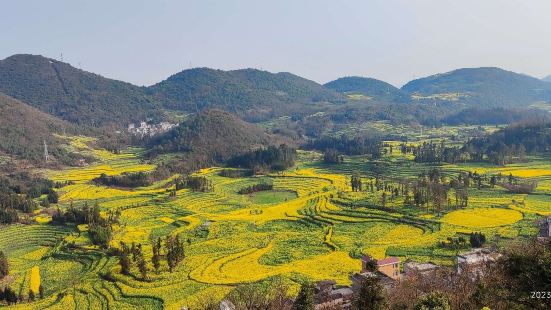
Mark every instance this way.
x=41 y=291
x=155 y=259
x=305 y=297
x=142 y=266
x=371 y=295
x=4 y=265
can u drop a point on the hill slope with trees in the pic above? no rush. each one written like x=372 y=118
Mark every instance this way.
x=373 y=88
x=248 y=92
x=24 y=129
x=488 y=87
x=72 y=94
x=211 y=138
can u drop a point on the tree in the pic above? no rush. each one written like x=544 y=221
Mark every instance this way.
x=156 y=258
x=477 y=239
x=371 y=295
x=41 y=291
x=124 y=259
x=4 y=265
x=10 y=296
x=433 y=301
x=52 y=196
x=305 y=297
x=174 y=251
x=142 y=266
x=31 y=295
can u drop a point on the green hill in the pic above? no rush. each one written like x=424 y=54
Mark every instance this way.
x=24 y=129
x=489 y=87
x=248 y=92
x=211 y=137
x=371 y=88
x=74 y=95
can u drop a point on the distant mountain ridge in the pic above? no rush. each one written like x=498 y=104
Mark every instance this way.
x=372 y=88
x=89 y=99
x=245 y=91
x=547 y=78
x=72 y=94
x=489 y=87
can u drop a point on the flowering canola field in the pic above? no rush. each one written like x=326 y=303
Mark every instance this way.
x=317 y=233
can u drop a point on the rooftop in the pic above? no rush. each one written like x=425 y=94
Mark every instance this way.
x=388 y=261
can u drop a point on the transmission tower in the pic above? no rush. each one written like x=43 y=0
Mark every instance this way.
x=46 y=155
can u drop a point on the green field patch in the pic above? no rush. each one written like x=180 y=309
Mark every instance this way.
x=272 y=196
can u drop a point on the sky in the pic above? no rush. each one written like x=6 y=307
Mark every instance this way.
x=144 y=42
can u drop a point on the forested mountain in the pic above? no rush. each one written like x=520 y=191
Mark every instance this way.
x=248 y=92
x=23 y=130
x=211 y=137
x=372 y=88
x=72 y=94
x=488 y=87
x=493 y=116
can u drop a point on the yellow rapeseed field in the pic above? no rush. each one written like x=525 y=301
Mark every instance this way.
x=482 y=217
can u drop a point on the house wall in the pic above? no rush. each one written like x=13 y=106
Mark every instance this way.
x=391 y=270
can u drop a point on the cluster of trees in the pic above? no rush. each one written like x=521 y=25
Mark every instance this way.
x=138 y=179
x=235 y=173
x=266 y=160
x=358 y=145
x=173 y=253
x=435 y=153
x=500 y=148
x=332 y=156
x=476 y=240
x=195 y=183
x=430 y=189
x=17 y=194
x=99 y=228
x=256 y=188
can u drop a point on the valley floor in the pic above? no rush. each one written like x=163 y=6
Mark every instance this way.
x=312 y=225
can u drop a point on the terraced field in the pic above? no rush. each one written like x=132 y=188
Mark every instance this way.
x=316 y=230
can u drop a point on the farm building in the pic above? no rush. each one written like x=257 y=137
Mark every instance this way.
x=476 y=259
x=415 y=268
x=328 y=296
x=358 y=278
x=389 y=266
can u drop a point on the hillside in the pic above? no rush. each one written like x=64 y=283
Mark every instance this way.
x=72 y=94
x=24 y=129
x=211 y=137
x=489 y=87
x=372 y=88
x=547 y=78
x=248 y=92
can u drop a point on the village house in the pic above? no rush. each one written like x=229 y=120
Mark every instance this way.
x=328 y=296
x=476 y=260
x=389 y=266
x=358 y=278
x=412 y=268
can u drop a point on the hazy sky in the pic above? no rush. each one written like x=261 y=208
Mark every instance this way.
x=144 y=42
